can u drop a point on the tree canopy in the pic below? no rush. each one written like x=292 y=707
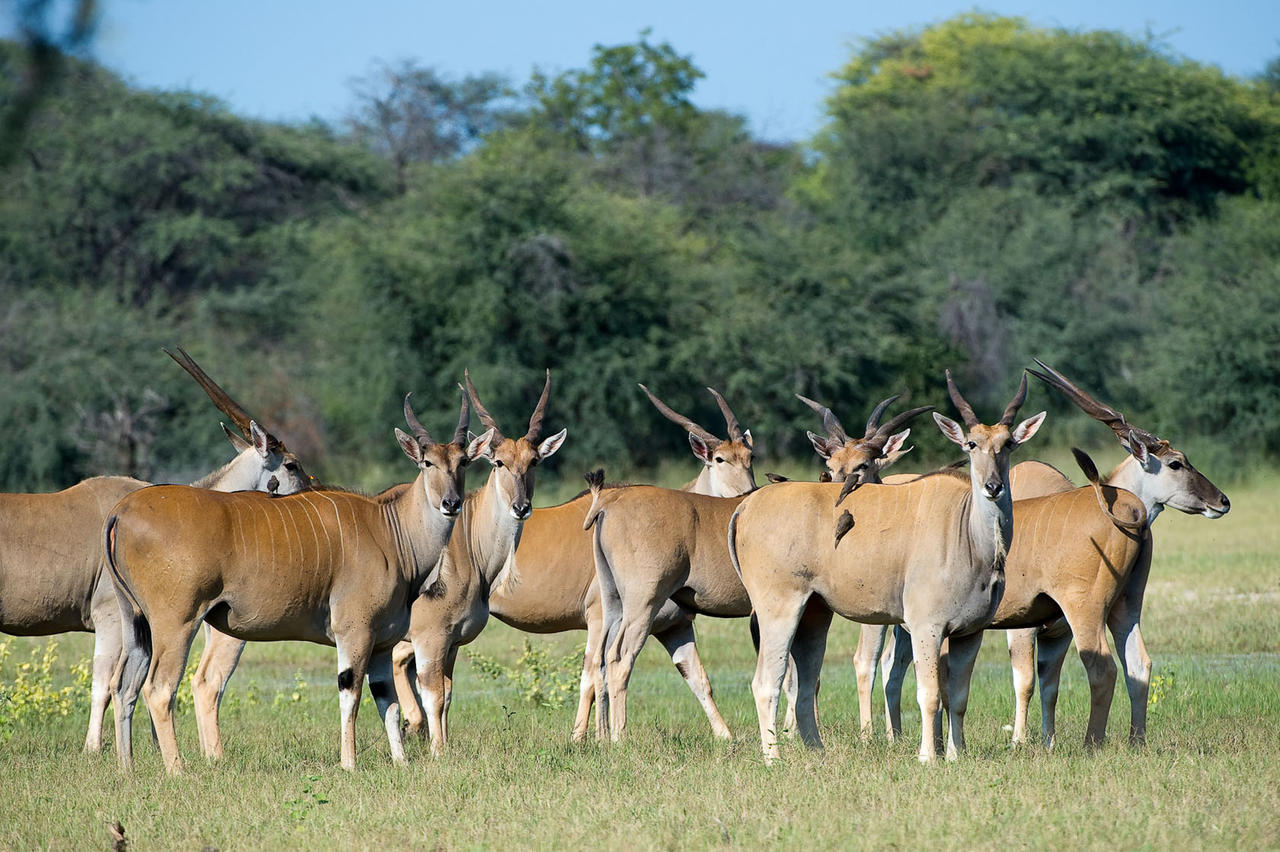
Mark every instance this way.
x=984 y=191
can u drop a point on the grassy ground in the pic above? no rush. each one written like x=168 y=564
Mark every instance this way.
x=1210 y=776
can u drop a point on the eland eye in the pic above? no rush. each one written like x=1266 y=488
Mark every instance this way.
x=291 y=466
x=427 y=463
x=1175 y=465
x=719 y=460
x=971 y=445
x=498 y=463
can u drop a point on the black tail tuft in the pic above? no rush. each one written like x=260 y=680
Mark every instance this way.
x=595 y=479
x=1086 y=464
x=142 y=632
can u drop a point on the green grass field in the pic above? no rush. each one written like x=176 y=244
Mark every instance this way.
x=1209 y=777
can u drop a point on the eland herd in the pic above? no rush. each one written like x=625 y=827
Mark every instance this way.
x=399 y=581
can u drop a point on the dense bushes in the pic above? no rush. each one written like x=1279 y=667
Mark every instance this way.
x=984 y=192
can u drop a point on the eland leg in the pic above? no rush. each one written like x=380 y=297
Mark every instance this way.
x=789 y=684
x=808 y=647
x=1022 y=659
x=382 y=687
x=450 y=660
x=129 y=675
x=108 y=644
x=926 y=648
x=404 y=671
x=429 y=656
x=353 y=664
x=778 y=620
x=895 y=660
x=961 y=656
x=1125 y=621
x=218 y=662
x=681 y=645
x=1126 y=628
x=171 y=640
x=1052 y=645
x=1091 y=644
x=620 y=660
x=871 y=640
x=592 y=662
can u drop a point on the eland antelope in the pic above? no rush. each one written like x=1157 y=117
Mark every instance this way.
x=455 y=608
x=550 y=586
x=322 y=566
x=1156 y=473
x=655 y=547
x=891 y=647
x=844 y=456
x=52 y=578
x=928 y=553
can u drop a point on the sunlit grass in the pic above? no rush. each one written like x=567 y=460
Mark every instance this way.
x=1209 y=776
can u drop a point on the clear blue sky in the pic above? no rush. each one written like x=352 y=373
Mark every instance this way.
x=292 y=59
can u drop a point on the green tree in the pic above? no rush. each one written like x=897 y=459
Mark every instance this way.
x=410 y=114
x=1213 y=362
x=1104 y=120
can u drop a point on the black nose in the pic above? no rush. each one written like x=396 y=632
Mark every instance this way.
x=994 y=489
x=451 y=505
x=1226 y=504
x=522 y=510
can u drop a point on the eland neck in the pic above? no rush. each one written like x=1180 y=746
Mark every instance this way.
x=703 y=483
x=990 y=522
x=492 y=533
x=420 y=530
x=706 y=483
x=242 y=473
x=1130 y=476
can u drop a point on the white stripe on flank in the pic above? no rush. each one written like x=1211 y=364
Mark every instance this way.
x=310 y=507
x=293 y=521
x=257 y=558
x=244 y=547
x=355 y=529
x=257 y=546
x=274 y=503
x=338 y=519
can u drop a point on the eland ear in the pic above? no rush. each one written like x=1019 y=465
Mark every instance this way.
x=747 y=439
x=819 y=445
x=481 y=445
x=237 y=440
x=700 y=448
x=895 y=442
x=263 y=441
x=891 y=459
x=1138 y=449
x=410 y=445
x=950 y=428
x=548 y=447
x=1028 y=428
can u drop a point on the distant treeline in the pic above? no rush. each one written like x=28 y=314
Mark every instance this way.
x=983 y=192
